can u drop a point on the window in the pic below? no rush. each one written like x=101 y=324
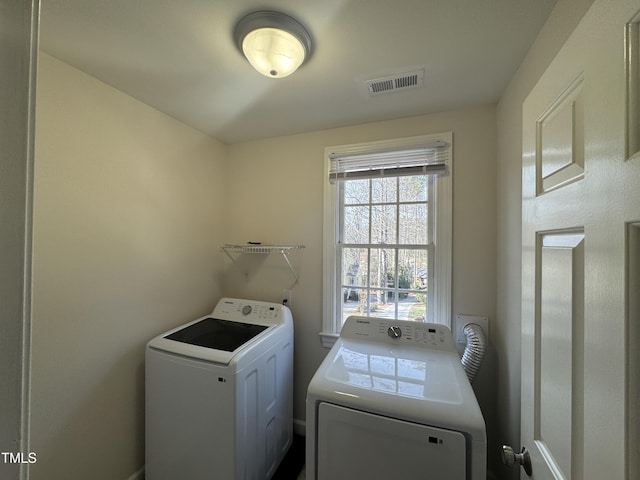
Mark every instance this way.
x=387 y=231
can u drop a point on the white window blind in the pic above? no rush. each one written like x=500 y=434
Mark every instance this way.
x=426 y=159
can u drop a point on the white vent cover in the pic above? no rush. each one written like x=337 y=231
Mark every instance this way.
x=395 y=83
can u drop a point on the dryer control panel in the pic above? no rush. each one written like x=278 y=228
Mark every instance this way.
x=399 y=332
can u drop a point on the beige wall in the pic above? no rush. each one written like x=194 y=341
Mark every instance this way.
x=506 y=333
x=127 y=220
x=275 y=196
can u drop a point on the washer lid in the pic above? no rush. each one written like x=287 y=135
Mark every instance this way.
x=211 y=339
x=217 y=334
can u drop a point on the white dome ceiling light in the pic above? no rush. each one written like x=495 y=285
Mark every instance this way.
x=274 y=43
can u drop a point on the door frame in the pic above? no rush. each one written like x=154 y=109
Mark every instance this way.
x=18 y=74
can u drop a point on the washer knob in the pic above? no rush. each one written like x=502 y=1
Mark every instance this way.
x=246 y=310
x=394 y=331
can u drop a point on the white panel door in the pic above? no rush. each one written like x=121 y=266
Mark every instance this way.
x=581 y=253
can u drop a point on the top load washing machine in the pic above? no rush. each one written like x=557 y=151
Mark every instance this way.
x=391 y=400
x=219 y=394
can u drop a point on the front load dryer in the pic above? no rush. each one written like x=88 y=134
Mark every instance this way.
x=219 y=394
x=391 y=400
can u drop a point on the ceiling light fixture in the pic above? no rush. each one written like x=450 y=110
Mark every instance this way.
x=274 y=43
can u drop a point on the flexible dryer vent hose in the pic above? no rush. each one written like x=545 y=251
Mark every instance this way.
x=474 y=351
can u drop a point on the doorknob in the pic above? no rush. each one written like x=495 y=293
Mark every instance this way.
x=510 y=458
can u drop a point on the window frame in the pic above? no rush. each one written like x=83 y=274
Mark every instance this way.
x=440 y=250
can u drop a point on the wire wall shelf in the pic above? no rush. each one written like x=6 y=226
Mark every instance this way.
x=251 y=248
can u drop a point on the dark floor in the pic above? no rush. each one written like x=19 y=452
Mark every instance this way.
x=293 y=462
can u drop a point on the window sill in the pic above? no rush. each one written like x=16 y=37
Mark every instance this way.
x=328 y=339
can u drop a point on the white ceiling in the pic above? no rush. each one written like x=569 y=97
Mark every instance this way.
x=179 y=57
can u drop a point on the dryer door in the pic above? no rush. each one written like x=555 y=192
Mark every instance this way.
x=354 y=444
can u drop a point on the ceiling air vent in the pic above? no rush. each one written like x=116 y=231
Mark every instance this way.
x=395 y=83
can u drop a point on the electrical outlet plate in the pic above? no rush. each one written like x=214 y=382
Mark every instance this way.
x=463 y=320
x=286 y=297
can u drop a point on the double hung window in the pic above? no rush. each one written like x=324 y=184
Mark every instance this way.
x=387 y=230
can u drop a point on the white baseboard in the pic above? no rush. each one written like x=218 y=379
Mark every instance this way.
x=139 y=475
x=299 y=427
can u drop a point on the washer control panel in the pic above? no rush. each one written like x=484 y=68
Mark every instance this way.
x=248 y=311
x=400 y=332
